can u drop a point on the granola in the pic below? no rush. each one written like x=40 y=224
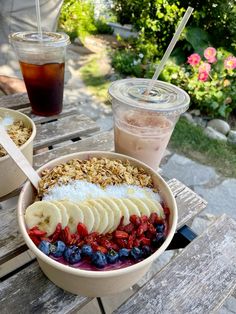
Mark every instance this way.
x=18 y=133
x=102 y=171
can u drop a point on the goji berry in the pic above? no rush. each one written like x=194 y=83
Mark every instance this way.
x=118 y=234
x=37 y=233
x=129 y=228
x=137 y=242
x=122 y=243
x=151 y=228
x=114 y=246
x=145 y=241
x=144 y=219
x=130 y=242
x=57 y=232
x=153 y=218
x=142 y=228
x=65 y=235
x=135 y=220
x=82 y=230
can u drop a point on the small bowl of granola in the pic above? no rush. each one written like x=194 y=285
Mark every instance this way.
x=22 y=131
x=97 y=221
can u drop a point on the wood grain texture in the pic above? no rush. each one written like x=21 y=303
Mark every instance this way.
x=68 y=110
x=188 y=202
x=102 y=141
x=63 y=129
x=40 y=296
x=11 y=241
x=197 y=281
x=15 y=101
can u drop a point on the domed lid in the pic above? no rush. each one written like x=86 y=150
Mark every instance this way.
x=164 y=97
x=50 y=39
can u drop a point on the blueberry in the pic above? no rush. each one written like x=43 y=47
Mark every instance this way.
x=44 y=246
x=136 y=253
x=123 y=253
x=99 y=259
x=86 y=250
x=146 y=251
x=75 y=257
x=58 y=248
x=160 y=228
x=112 y=257
x=68 y=252
x=158 y=240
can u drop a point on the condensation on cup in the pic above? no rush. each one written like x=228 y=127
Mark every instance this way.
x=42 y=63
x=143 y=124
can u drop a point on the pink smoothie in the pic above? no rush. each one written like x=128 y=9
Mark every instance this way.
x=143 y=136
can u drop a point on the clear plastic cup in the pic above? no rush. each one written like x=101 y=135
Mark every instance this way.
x=42 y=65
x=143 y=124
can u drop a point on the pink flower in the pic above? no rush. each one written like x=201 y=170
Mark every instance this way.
x=230 y=63
x=203 y=76
x=210 y=54
x=194 y=59
x=204 y=67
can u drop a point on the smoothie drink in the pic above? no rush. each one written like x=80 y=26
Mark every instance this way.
x=143 y=124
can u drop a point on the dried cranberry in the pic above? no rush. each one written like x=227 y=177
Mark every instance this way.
x=118 y=234
x=135 y=220
x=82 y=230
x=129 y=228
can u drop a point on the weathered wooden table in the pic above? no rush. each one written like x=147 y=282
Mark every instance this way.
x=197 y=280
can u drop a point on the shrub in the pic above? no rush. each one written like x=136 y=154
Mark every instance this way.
x=210 y=81
x=77 y=18
x=102 y=27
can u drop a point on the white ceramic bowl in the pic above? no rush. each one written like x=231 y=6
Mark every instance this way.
x=95 y=283
x=11 y=177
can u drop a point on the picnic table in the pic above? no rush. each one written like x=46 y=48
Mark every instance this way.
x=197 y=280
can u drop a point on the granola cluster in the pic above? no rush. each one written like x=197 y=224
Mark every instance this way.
x=101 y=171
x=18 y=133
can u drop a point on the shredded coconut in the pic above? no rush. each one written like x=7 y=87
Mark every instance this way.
x=80 y=190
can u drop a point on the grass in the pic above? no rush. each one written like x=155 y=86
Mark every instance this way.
x=190 y=141
x=95 y=80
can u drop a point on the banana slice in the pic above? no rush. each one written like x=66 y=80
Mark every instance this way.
x=43 y=214
x=109 y=213
x=95 y=214
x=103 y=215
x=116 y=210
x=142 y=207
x=124 y=210
x=88 y=216
x=154 y=207
x=75 y=215
x=64 y=215
x=132 y=208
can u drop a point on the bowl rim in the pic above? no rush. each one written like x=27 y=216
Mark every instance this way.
x=32 y=136
x=91 y=273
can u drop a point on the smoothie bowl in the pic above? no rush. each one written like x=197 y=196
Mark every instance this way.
x=22 y=131
x=97 y=221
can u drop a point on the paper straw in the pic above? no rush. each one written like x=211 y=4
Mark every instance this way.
x=38 y=19
x=170 y=48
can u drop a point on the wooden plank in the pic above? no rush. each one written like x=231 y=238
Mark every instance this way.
x=39 y=295
x=11 y=241
x=197 y=281
x=69 y=110
x=63 y=129
x=102 y=141
x=15 y=101
x=188 y=202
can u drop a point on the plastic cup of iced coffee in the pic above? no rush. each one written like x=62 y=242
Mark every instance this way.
x=143 y=124
x=42 y=62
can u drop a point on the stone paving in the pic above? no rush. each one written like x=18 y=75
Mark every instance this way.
x=220 y=192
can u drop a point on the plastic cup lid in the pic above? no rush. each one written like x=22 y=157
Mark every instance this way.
x=164 y=97
x=50 y=39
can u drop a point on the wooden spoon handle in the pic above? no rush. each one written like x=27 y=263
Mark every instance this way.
x=20 y=160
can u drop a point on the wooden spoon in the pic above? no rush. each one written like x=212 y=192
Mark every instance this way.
x=15 y=153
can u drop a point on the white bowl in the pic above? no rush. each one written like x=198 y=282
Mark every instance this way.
x=95 y=283
x=11 y=177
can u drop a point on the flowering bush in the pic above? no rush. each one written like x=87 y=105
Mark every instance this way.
x=209 y=80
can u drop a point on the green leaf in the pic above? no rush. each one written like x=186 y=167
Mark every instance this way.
x=198 y=38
